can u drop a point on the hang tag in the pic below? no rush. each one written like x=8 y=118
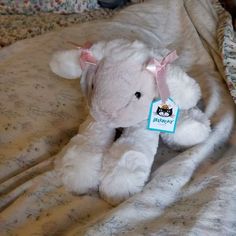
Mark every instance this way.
x=163 y=116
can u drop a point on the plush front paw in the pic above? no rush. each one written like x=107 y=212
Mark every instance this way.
x=124 y=177
x=79 y=169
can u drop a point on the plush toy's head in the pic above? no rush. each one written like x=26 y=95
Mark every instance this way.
x=118 y=87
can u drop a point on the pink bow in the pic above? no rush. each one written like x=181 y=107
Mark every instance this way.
x=86 y=56
x=158 y=69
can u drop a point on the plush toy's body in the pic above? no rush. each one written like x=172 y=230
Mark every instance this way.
x=119 y=90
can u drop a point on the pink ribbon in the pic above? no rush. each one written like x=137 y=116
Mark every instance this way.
x=86 y=56
x=158 y=69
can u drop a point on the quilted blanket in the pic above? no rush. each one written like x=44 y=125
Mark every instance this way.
x=192 y=192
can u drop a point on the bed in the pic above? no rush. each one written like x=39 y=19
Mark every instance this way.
x=192 y=192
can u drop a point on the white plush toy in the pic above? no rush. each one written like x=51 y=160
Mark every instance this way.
x=119 y=90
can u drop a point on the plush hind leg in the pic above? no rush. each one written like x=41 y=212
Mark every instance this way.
x=192 y=128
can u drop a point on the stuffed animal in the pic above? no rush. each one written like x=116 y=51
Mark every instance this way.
x=117 y=80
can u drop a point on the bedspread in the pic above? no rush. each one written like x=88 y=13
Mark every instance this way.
x=192 y=192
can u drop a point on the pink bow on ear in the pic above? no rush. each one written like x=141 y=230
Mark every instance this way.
x=158 y=69
x=86 y=56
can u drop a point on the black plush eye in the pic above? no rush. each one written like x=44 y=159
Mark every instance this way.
x=138 y=95
x=92 y=86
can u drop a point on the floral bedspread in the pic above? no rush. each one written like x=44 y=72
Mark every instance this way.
x=33 y=6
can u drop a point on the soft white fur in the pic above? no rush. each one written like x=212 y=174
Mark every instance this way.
x=120 y=169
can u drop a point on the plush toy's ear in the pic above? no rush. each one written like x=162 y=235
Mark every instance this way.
x=71 y=63
x=183 y=89
x=66 y=64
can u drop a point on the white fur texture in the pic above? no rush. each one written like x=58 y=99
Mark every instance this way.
x=127 y=164
x=190 y=121
x=80 y=169
x=122 y=168
x=65 y=64
x=79 y=163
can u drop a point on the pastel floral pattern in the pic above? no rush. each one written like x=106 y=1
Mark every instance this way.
x=33 y=6
x=227 y=44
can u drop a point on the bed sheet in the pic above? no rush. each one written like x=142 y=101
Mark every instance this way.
x=189 y=193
